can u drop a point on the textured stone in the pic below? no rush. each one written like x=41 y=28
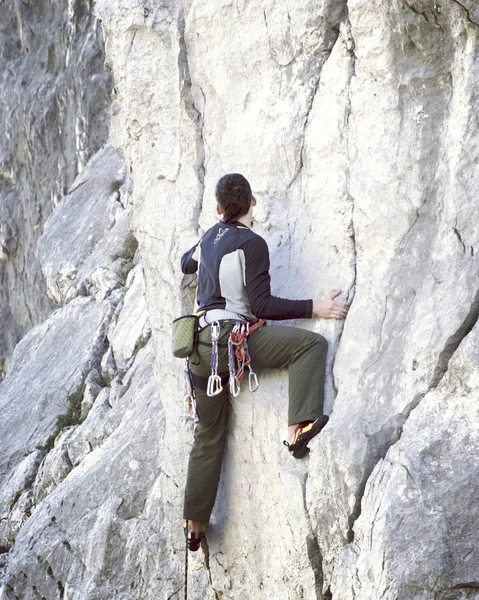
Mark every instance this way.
x=360 y=149
x=54 y=97
x=417 y=535
x=132 y=329
x=84 y=553
x=44 y=386
x=87 y=246
x=356 y=125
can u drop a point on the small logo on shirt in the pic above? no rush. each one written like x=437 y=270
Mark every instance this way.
x=220 y=234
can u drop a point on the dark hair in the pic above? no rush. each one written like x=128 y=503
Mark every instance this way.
x=233 y=194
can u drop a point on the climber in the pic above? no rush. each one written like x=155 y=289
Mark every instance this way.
x=234 y=285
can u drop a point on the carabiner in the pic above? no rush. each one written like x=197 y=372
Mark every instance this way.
x=215 y=331
x=215 y=386
x=253 y=380
x=235 y=387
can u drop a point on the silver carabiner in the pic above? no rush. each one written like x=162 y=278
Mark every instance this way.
x=215 y=386
x=253 y=381
x=235 y=387
x=215 y=331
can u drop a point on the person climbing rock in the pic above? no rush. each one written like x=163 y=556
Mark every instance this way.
x=233 y=287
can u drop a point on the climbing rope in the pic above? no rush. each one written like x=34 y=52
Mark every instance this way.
x=186 y=562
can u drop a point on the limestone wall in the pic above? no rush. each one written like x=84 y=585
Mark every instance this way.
x=356 y=124
x=54 y=97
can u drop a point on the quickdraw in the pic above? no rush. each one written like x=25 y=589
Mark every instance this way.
x=189 y=400
x=215 y=386
x=239 y=357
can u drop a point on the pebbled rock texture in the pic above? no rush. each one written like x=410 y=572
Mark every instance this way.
x=54 y=98
x=356 y=124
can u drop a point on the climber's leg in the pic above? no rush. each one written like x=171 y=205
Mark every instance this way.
x=206 y=456
x=304 y=353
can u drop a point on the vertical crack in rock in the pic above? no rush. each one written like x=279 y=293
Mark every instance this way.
x=315 y=560
x=329 y=39
x=350 y=46
x=206 y=555
x=453 y=342
x=459 y=237
x=392 y=431
x=314 y=552
x=197 y=118
x=468 y=15
x=351 y=290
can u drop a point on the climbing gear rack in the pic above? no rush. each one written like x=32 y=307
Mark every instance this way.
x=239 y=357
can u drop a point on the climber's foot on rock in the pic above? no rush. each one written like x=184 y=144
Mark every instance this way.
x=302 y=434
x=195 y=533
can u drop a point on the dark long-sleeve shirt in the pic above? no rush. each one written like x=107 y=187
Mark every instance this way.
x=233 y=274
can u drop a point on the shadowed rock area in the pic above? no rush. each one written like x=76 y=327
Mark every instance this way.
x=356 y=124
x=54 y=98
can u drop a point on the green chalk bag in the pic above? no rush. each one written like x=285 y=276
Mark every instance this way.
x=184 y=335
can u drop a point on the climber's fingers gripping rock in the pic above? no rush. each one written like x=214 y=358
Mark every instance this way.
x=328 y=308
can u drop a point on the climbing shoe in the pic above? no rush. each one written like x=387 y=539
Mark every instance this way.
x=303 y=434
x=193 y=540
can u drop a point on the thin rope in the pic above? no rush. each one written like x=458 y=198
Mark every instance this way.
x=186 y=563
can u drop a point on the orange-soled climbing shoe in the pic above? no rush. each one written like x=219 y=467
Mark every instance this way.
x=303 y=434
x=193 y=539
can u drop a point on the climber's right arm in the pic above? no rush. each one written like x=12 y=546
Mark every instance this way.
x=189 y=260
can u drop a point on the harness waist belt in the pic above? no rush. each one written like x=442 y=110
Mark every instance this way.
x=218 y=314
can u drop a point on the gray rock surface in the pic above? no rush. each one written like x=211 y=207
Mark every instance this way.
x=44 y=386
x=82 y=418
x=417 y=535
x=87 y=246
x=356 y=125
x=54 y=98
x=65 y=549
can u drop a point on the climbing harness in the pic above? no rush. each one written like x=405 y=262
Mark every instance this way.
x=191 y=412
x=215 y=386
x=239 y=357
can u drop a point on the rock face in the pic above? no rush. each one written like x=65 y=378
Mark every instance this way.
x=356 y=124
x=54 y=97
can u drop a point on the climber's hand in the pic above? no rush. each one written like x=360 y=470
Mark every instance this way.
x=328 y=308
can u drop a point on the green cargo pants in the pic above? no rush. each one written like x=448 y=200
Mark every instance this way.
x=303 y=352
